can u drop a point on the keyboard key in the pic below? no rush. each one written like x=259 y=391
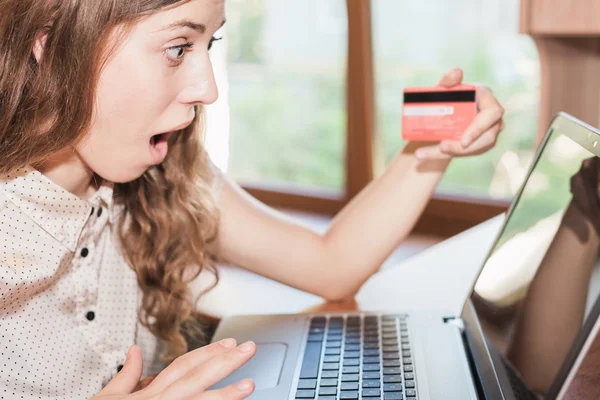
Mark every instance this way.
x=327 y=398
x=349 y=386
x=305 y=394
x=336 y=321
x=391 y=356
x=331 y=359
x=409 y=384
x=371 y=352
x=334 y=344
x=352 y=354
x=331 y=366
x=371 y=375
x=371 y=360
x=351 y=362
x=351 y=340
x=371 y=346
x=408 y=368
x=371 y=393
x=353 y=320
x=333 y=351
x=352 y=347
x=371 y=367
x=328 y=382
x=391 y=363
x=411 y=393
x=406 y=353
x=387 y=349
x=348 y=395
x=329 y=375
x=392 y=379
x=350 y=370
x=392 y=371
x=315 y=337
x=310 y=363
x=371 y=383
x=307 y=384
x=407 y=360
x=350 y=378
x=318 y=320
x=388 y=318
x=409 y=375
x=316 y=330
x=392 y=387
x=393 y=396
x=328 y=391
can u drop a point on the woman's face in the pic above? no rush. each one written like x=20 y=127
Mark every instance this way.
x=149 y=87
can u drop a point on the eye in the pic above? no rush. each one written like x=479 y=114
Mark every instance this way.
x=176 y=53
x=212 y=40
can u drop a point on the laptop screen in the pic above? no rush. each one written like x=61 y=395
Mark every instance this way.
x=542 y=277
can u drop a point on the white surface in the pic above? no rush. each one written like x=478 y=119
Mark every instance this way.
x=440 y=277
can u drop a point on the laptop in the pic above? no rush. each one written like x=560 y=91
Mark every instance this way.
x=523 y=330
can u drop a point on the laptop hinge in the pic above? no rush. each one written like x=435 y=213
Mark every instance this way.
x=456 y=321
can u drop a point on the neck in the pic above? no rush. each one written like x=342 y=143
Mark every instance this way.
x=69 y=171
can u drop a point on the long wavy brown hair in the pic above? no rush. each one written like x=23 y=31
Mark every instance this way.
x=169 y=213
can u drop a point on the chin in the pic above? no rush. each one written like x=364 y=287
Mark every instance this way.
x=123 y=175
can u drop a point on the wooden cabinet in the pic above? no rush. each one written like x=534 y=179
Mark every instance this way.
x=567 y=36
x=560 y=17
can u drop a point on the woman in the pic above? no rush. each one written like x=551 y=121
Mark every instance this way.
x=106 y=192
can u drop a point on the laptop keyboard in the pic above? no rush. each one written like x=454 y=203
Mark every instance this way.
x=358 y=357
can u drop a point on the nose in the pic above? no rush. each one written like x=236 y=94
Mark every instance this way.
x=200 y=86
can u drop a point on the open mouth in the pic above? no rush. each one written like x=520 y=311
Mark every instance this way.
x=159 y=147
x=158 y=139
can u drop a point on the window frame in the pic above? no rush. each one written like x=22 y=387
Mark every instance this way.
x=445 y=215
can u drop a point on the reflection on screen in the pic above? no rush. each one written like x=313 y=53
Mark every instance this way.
x=542 y=277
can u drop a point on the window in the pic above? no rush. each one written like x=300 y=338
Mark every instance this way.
x=415 y=43
x=286 y=64
x=313 y=93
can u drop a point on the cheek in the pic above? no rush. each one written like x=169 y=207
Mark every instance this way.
x=130 y=102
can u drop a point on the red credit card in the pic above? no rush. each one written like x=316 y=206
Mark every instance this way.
x=433 y=114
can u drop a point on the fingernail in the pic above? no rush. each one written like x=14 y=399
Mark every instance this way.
x=246 y=347
x=244 y=385
x=465 y=141
x=228 y=343
x=445 y=147
x=421 y=155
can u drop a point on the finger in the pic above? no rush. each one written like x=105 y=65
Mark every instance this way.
x=240 y=390
x=188 y=362
x=488 y=105
x=452 y=78
x=483 y=121
x=126 y=380
x=485 y=142
x=144 y=383
x=211 y=372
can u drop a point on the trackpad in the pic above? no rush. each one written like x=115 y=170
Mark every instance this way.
x=264 y=368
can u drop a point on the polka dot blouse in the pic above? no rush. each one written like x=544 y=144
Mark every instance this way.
x=68 y=300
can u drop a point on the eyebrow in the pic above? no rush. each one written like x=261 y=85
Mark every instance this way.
x=185 y=23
